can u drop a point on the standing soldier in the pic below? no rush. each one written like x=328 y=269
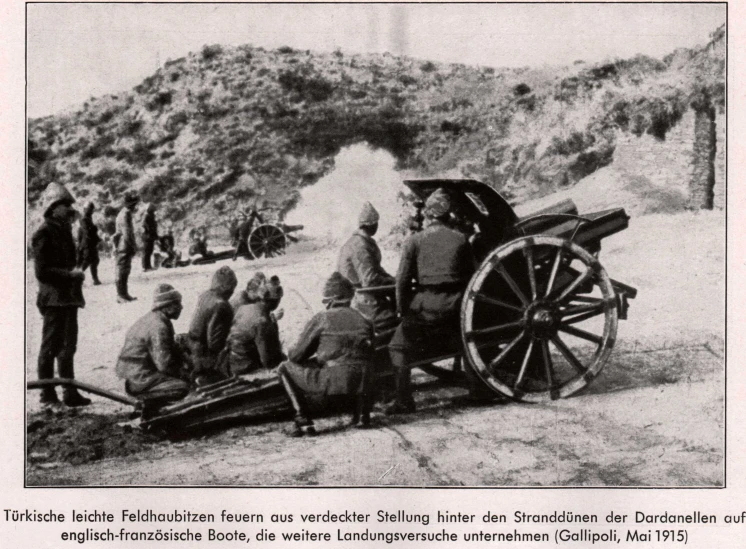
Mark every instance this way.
x=88 y=241
x=126 y=246
x=244 y=230
x=149 y=236
x=332 y=360
x=211 y=324
x=360 y=263
x=60 y=292
x=440 y=262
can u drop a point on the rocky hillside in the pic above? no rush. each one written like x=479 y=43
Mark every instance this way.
x=224 y=126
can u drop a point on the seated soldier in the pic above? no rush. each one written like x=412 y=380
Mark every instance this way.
x=150 y=360
x=360 y=263
x=249 y=295
x=254 y=340
x=210 y=325
x=332 y=360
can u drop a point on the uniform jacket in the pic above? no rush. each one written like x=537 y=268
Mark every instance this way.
x=360 y=262
x=88 y=239
x=240 y=299
x=339 y=341
x=209 y=328
x=149 y=352
x=254 y=340
x=149 y=227
x=439 y=258
x=244 y=229
x=127 y=243
x=54 y=257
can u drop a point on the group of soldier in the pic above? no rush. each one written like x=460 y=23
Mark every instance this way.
x=334 y=357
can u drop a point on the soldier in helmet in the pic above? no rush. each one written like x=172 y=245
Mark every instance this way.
x=332 y=360
x=88 y=241
x=440 y=263
x=360 y=263
x=126 y=246
x=60 y=292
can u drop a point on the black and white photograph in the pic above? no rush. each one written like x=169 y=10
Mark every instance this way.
x=375 y=244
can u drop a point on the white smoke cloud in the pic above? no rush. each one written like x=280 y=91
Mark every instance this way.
x=329 y=209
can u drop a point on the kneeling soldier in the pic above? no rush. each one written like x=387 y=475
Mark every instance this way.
x=332 y=360
x=150 y=361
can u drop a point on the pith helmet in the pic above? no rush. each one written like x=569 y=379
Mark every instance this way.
x=437 y=204
x=368 y=215
x=338 y=289
x=163 y=295
x=53 y=195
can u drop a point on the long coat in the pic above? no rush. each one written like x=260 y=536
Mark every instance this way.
x=126 y=244
x=54 y=259
x=254 y=340
x=209 y=329
x=149 y=227
x=88 y=241
x=360 y=262
x=333 y=355
x=150 y=355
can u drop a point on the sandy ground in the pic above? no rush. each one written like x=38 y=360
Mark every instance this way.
x=654 y=417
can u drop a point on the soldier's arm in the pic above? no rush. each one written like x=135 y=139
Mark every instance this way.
x=406 y=273
x=308 y=342
x=267 y=344
x=42 y=247
x=218 y=328
x=83 y=240
x=163 y=351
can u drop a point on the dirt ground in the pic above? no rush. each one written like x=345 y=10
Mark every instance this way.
x=654 y=417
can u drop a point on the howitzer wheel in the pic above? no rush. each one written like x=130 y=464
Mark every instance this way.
x=539 y=319
x=267 y=241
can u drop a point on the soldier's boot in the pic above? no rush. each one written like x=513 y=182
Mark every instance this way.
x=124 y=292
x=70 y=395
x=303 y=424
x=361 y=412
x=48 y=396
x=94 y=275
x=403 y=402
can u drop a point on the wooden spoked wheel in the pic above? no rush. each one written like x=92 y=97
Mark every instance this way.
x=267 y=241
x=539 y=318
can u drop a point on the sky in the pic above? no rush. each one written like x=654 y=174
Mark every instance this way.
x=78 y=51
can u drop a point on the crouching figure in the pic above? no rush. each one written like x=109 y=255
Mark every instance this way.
x=150 y=362
x=332 y=360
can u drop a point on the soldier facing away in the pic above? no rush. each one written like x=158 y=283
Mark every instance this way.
x=360 y=263
x=126 y=246
x=331 y=361
x=150 y=362
x=60 y=292
x=88 y=241
x=149 y=236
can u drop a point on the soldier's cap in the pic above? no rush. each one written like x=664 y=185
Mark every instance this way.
x=368 y=215
x=90 y=206
x=437 y=204
x=338 y=289
x=254 y=283
x=54 y=194
x=224 y=280
x=151 y=207
x=165 y=294
x=131 y=198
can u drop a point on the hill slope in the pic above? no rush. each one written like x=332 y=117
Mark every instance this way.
x=228 y=125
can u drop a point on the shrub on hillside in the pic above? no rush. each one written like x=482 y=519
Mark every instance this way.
x=211 y=52
x=428 y=66
x=307 y=87
x=521 y=89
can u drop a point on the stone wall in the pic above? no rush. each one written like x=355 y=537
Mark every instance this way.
x=668 y=163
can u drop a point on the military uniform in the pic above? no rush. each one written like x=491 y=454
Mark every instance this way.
x=211 y=323
x=149 y=236
x=150 y=362
x=126 y=247
x=60 y=295
x=244 y=230
x=332 y=358
x=254 y=340
x=88 y=241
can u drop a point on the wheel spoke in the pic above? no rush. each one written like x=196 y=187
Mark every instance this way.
x=553 y=274
x=494 y=329
x=513 y=286
x=578 y=309
x=548 y=365
x=524 y=364
x=595 y=310
x=585 y=299
x=570 y=288
x=582 y=334
x=509 y=347
x=529 y=254
x=492 y=301
x=568 y=354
